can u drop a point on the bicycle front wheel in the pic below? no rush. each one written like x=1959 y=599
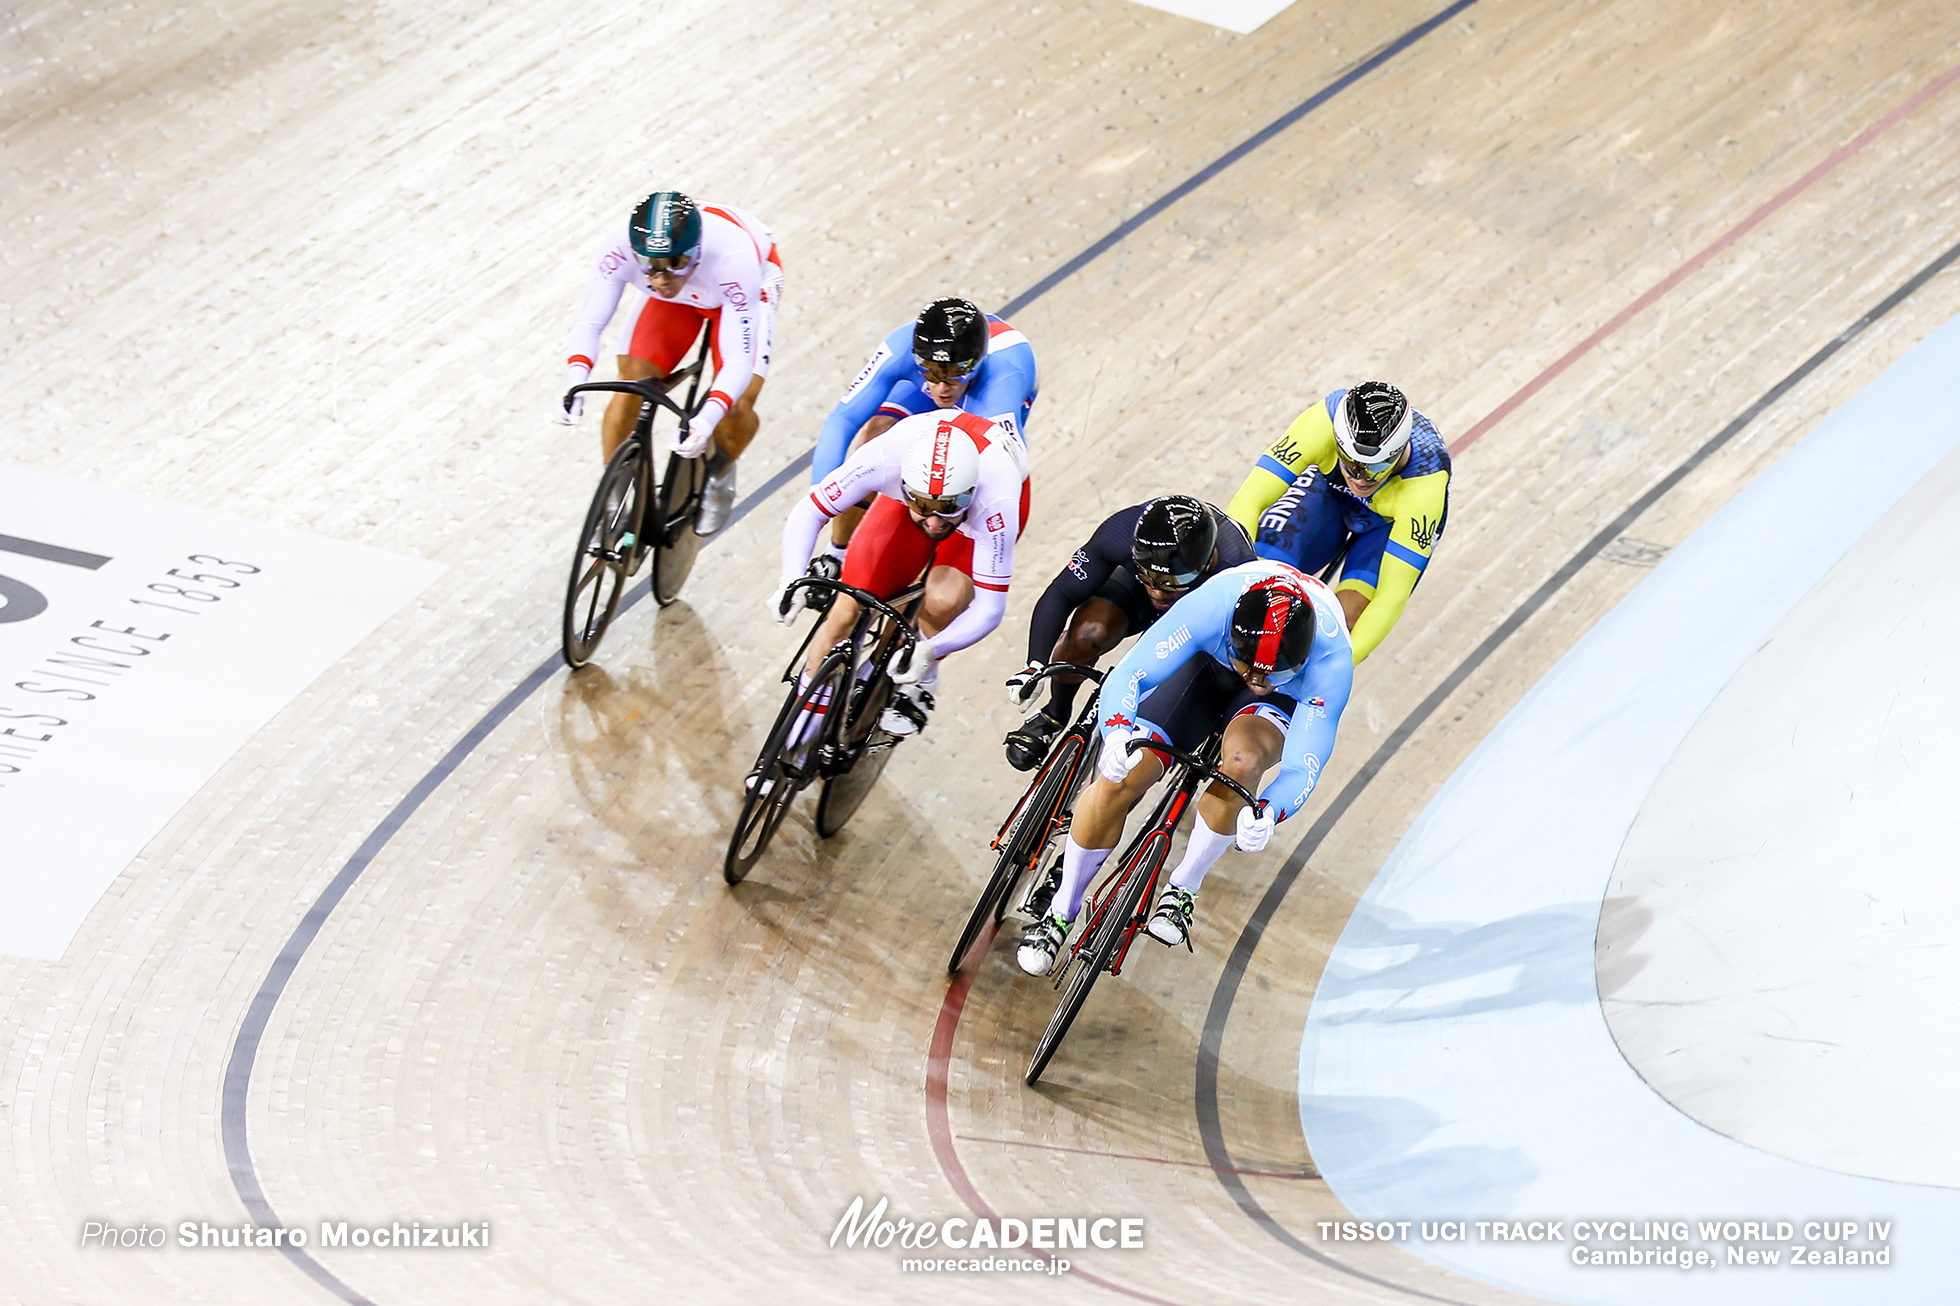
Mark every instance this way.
x=675 y=545
x=1021 y=848
x=1139 y=871
x=604 y=559
x=783 y=768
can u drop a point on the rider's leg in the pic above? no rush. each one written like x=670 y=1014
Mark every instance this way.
x=1249 y=749
x=624 y=410
x=949 y=592
x=1095 y=628
x=1251 y=744
x=1095 y=828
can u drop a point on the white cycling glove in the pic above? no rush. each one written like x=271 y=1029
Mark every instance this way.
x=786 y=603
x=910 y=667
x=700 y=430
x=1117 y=761
x=570 y=410
x=1021 y=686
x=1255 y=831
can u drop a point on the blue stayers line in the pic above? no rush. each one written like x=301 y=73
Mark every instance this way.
x=244 y=1052
x=1157 y=206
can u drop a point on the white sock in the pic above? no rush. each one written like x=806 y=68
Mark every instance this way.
x=832 y=549
x=1079 y=866
x=1204 y=847
x=811 y=715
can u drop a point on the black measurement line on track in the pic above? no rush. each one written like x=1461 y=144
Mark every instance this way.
x=1210 y=1125
x=244 y=1053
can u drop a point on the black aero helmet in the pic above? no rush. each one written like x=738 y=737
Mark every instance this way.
x=1272 y=627
x=666 y=225
x=950 y=333
x=1372 y=423
x=1173 y=542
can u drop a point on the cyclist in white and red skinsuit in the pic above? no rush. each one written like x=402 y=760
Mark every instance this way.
x=941 y=509
x=685 y=264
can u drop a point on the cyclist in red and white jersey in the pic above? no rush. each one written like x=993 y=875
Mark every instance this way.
x=685 y=263
x=952 y=497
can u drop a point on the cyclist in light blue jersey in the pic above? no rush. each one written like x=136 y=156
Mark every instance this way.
x=953 y=356
x=1261 y=651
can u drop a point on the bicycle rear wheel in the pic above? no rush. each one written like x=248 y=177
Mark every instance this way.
x=1140 y=866
x=601 y=566
x=858 y=735
x=781 y=770
x=675 y=544
x=1023 y=844
x=843 y=794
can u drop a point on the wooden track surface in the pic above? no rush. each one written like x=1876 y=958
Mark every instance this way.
x=312 y=264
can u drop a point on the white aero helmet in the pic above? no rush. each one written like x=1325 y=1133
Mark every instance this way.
x=941 y=469
x=1372 y=424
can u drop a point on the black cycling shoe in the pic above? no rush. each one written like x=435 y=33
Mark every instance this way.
x=1028 y=743
x=828 y=568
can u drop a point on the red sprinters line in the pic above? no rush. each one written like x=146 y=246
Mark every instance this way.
x=1726 y=239
x=1131 y=1156
x=940 y=1130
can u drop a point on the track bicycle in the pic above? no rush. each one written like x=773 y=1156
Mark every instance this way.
x=632 y=516
x=847 y=750
x=1032 y=828
x=1120 y=905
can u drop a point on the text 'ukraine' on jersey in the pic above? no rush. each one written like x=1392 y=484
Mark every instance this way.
x=1200 y=623
x=1003 y=390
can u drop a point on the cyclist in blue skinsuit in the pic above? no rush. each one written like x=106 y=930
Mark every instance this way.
x=1262 y=650
x=953 y=356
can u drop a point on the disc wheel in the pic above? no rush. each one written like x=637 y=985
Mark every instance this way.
x=603 y=562
x=1022 y=846
x=844 y=792
x=676 y=545
x=781 y=771
x=1109 y=928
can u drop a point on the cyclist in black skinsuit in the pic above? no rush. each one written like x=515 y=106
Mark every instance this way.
x=1139 y=561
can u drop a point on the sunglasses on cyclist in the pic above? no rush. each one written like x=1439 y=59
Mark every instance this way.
x=1373 y=473
x=1163 y=582
x=673 y=267
x=951 y=507
x=944 y=373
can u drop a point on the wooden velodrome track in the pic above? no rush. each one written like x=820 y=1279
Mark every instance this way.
x=311 y=264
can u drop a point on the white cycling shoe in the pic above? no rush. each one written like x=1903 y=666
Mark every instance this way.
x=906 y=713
x=717 y=499
x=1171 y=923
x=1041 y=945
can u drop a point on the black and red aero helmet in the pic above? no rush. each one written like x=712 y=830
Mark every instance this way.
x=1272 y=627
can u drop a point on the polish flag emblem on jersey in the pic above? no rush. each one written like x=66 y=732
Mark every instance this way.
x=996 y=523
x=833 y=492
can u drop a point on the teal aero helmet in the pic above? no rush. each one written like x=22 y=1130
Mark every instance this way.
x=667 y=225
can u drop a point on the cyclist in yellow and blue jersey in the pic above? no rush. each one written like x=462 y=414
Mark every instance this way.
x=1360 y=470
